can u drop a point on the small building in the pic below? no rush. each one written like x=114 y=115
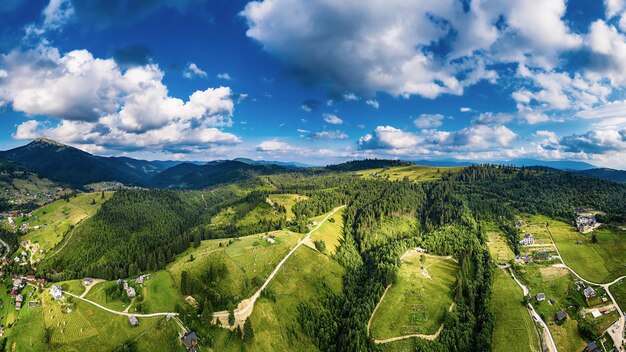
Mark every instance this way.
x=592 y=347
x=87 y=281
x=519 y=223
x=190 y=339
x=1 y=331
x=526 y=259
x=270 y=240
x=56 y=292
x=589 y=292
x=528 y=240
x=133 y=320
x=33 y=304
x=560 y=316
x=18 y=301
x=551 y=300
x=540 y=297
x=30 y=277
x=130 y=292
x=119 y=281
x=596 y=313
x=579 y=242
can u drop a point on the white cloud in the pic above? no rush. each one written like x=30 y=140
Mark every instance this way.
x=614 y=7
x=373 y=103
x=464 y=109
x=274 y=146
x=332 y=119
x=57 y=13
x=192 y=70
x=225 y=76
x=350 y=97
x=428 y=121
x=608 y=49
x=97 y=102
x=333 y=134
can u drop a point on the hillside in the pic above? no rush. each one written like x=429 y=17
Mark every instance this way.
x=76 y=167
x=606 y=174
x=192 y=176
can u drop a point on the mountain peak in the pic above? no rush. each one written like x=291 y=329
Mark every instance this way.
x=47 y=141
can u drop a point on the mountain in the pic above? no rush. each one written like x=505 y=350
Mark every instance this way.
x=285 y=164
x=443 y=163
x=556 y=164
x=606 y=174
x=67 y=164
x=193 y=176
x=356 y=165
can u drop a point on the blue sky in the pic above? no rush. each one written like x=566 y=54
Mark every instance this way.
x=318 y=81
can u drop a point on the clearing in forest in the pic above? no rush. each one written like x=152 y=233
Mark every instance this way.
x=498 y=248
x=418 y=301
x=417 y=173
x=330 y=232
x=286 y=200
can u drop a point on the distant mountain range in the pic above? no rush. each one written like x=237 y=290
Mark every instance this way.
x=78 y=168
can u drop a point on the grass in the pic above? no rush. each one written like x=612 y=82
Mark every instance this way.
x=514 y=330
x=556 y=283
x=415 y=173
x=498 y=248
x=416 y=303
x=260 y=212
x=306 y=275
x=618 y=290
x=248 y=260
x=57 y=217
x=330 y=232
x=286 y=200
x=598 y=262
x=98 y=295
x=28 y=332
x=161 y=293
x=88 y=328
x=74 y=286
x=390 y=227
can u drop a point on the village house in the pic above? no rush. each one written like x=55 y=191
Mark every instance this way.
x=190 y=339
x=589 y=292
x=56 y=292
x=87 y=281
x=271 y=240
x=560 y=316
x=130 y=292
x=540 y=297
x=519 y=224
x=18 y=301
x=528 y=240
x=133 y=320
x=592 y=347
x=526 y=259
x=585 y=220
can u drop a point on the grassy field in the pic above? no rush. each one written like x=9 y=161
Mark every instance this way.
x=598 y=262
x=57 y=217
x=415 y=173
x=390 y=227
x=286 y=200
x=417 y=302
x=88 y=328
x=618 y=290
x=514 y=329
x=330 y=232
x=161 y=293
x=498 y=248
x=98 y=295
x=558 y=284
x=303 y=278
x=248 y=260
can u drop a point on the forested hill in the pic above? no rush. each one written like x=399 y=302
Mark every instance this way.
x=356 y=165
x=192 y=176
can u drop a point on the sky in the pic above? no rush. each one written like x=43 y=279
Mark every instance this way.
x=318 y=81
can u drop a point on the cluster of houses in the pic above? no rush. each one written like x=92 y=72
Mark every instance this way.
x=130 y=291
x=19 y=282
x=528 y=240
x=270 y=238
x=585 y=220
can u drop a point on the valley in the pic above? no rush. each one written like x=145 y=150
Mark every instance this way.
x=305 y=260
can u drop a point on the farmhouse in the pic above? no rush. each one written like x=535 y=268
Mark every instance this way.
x=56 y=292
x=130 y=292
x=528 y=240
x=133 y=320
x=519 y=223
x=87 y=281
x=585 y=220
x=560 y=316
x=271 y=240
x=540 y=297
x=592 y=347
x=33 y=304
x=526 y=259
x=589 y=292
x=18 y=301
x=190 y=339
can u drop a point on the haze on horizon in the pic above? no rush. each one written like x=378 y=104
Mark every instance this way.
x=316 y=81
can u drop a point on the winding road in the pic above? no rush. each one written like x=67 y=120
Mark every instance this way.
x=8 y=249
x=151 y=315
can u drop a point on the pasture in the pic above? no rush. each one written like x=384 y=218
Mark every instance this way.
x=286 y=200
x=330 y=232
x=416 y=173
x=498 y=248
x=514 y=329
x=418 y=301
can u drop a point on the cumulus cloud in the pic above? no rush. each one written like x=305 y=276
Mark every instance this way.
x=97 y=102
x=274 y=146
x=192 y=70
x=310 y=105
x=369 y=46
x=465 y=109
x=332 y=119
x=595 y=142
x=428 y=121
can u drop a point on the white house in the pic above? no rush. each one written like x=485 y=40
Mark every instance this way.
x=56 y=292
x=528 y=240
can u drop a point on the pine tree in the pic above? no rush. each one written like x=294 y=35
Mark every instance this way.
x=248 y=331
